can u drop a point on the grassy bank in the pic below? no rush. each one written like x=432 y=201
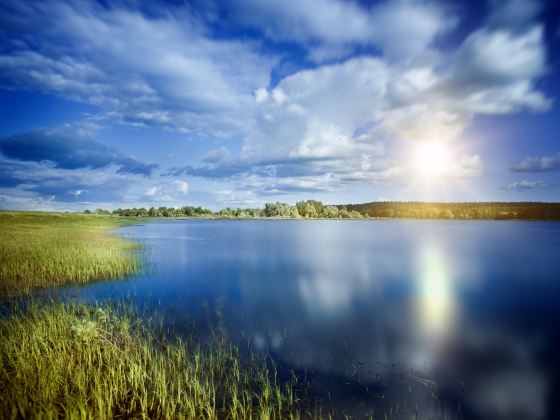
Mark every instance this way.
x=52 y=249
x=73 y=361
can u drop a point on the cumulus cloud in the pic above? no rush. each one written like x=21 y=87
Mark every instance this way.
x=304 y=139
x=538 y=164
x=70 y=147
x=312 y=129
x=318 y=128
x=166 y=192
x=322 y=108
x=181 y=186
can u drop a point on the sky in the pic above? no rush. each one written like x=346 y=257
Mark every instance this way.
x=108 y=104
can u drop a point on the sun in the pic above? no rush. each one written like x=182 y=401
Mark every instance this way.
x=431 y=159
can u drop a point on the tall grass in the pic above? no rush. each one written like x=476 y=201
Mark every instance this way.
x=76 y=361
x=51 y=249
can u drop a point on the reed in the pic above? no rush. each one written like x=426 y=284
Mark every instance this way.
x=77 y=361
x=52 y=249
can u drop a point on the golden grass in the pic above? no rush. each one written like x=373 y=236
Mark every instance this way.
x=70 y=361
x=52 y=249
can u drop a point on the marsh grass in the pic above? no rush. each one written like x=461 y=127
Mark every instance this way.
x=77 y=361
x=52 y=249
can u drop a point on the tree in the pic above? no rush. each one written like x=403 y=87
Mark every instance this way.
x=294 y=213
x=331 y=212
x=307 y=208
x=278 y=209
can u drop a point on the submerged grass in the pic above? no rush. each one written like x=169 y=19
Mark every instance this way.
x=76 y=361
x=52 y=249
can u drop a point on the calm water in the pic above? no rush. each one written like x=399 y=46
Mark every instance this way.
x=440 y=317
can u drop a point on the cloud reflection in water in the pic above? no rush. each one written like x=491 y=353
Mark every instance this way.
x=435 y=312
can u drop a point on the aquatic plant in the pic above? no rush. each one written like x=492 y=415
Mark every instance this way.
x=77 y=361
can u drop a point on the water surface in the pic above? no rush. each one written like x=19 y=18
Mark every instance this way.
x=443 y=318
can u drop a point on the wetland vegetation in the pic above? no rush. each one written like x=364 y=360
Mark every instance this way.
x=78 y=361
x=52 y=249
x=68 y=360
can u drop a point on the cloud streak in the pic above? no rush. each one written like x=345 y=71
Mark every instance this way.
x=69 y=147
x=156 y=66
x=330 y=29
x=43 y=179
x=525 y=185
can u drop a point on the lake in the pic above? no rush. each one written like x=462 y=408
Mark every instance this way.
x=439 y=318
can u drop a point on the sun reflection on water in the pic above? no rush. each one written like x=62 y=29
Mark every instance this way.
x=435 y=297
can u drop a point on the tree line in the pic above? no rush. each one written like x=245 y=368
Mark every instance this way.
x=302 y=209
x=386 y=209
x=469 y=210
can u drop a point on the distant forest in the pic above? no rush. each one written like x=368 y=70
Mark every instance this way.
x=491 y=211
x=380 y=209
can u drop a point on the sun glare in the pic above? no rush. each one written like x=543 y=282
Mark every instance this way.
x=431 y=159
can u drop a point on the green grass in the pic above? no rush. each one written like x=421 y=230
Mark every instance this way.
x=75 y=361
x=52 y=249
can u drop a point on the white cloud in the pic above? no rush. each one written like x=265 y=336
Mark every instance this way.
x=525 y=185
x=466 y=167
x=336 y=98
x=181 y=186
x=260 y=95
x=310 y=133
x=218 y=155
x=328 y=27
x=293 y=20
x=169 y=192
x=538 y=164
x=279 y=96
x=317 y=129
x=65 y=186
x=152 y=191
x=406 y=29
x=492 y=72
x=77 y=193
x=163 y=69
x=12 y=199
x=499 y=57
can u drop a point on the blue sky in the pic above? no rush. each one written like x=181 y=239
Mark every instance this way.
x=129 y=103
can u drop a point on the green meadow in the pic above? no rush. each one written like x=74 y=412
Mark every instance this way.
x=52 y=249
